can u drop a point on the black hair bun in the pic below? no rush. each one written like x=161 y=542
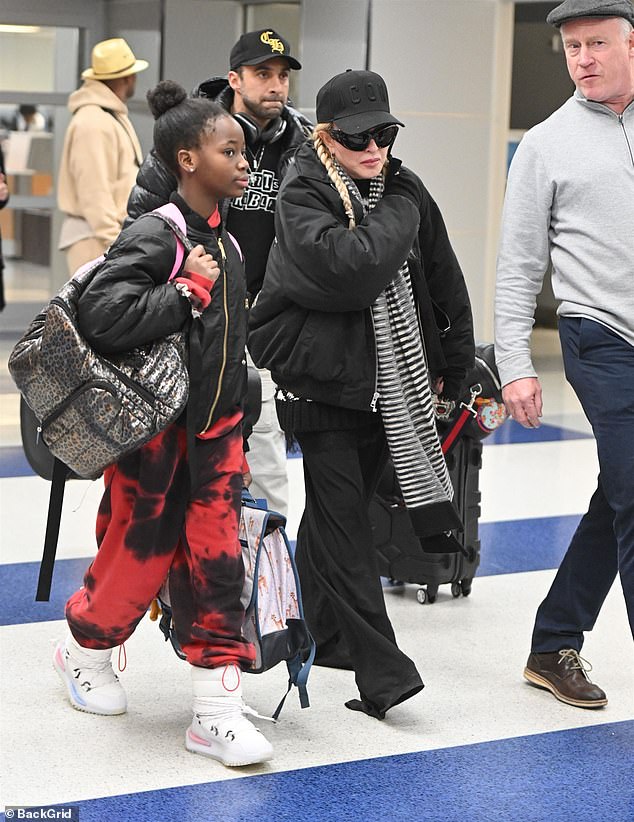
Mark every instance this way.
x=165 y=96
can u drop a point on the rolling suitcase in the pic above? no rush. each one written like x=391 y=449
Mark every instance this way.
x=401 y=554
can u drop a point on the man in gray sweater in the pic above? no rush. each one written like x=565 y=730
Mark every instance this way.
x=570 y=200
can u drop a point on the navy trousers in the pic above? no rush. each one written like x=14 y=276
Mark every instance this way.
x=599 y=365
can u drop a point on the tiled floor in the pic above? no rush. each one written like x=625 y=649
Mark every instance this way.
x=478 y=743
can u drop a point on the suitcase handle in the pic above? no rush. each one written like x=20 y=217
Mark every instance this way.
x=467 y=411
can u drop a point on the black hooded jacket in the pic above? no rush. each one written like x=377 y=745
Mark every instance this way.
x=311 y=324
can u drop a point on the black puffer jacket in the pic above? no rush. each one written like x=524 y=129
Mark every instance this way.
x=130 y=303
x=155 y=183
x=311 y=324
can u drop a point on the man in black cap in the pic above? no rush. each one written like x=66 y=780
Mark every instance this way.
x=570 y=201
x=255 y=91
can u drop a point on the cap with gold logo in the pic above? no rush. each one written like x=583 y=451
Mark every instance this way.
x=257 y=46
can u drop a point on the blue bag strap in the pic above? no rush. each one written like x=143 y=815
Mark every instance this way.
x=301 y=679
x=278 y=710
x=298 y=675
x=249 y=500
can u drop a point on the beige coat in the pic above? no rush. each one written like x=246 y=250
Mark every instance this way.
x=100 y=160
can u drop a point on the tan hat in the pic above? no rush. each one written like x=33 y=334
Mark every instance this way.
x=112 y=59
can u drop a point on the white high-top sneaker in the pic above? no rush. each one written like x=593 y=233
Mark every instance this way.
x=91 y=683
x=219 y=728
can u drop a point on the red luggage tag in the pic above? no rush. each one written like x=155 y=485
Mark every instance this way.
x=467 y=411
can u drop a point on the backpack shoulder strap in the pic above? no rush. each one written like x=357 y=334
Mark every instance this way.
x=56 y=499
x=237 y=245
x=173 y=213
x=173 y=217
x=298 y=675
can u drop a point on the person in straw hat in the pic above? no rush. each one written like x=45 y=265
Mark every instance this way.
x=101 y=153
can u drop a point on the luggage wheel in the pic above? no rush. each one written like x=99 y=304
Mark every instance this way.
x=428 y=594
x=421 y=596
x=463 y=587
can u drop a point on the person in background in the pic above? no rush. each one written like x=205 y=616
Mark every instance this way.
x=4 y=199
x=101 y=154
x=173 y=506
x=570 y=200
x=256 y=93
x=28 y=118
x=359 y=281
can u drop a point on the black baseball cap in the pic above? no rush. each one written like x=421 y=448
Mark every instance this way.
x=355 y=101
x=257 y=46
x=574 y=9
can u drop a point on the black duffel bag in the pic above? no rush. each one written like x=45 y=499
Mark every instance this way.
x=480 y=398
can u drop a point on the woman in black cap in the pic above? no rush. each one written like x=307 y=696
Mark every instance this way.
x=363 y=313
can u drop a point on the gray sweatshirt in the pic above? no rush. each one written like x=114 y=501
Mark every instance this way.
x=570 y=199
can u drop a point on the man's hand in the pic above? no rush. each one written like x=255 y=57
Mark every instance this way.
x=523 y=401
x=199 y=262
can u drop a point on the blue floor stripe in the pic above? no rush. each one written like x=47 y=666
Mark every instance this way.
x=18 y=581
x=553 y=777
x=524 y=544
x=513 y=432
x=506 y=548
x=13 y=463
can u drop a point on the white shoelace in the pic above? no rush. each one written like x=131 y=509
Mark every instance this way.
x=226 y=709
x=90 y=673
x=577 y=661
x=93 y=676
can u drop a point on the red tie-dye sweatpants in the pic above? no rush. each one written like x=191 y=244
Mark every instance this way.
x=151 y=521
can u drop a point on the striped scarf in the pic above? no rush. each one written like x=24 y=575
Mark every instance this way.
x=405 y=400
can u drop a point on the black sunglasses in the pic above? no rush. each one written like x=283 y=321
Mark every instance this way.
x=383 y=137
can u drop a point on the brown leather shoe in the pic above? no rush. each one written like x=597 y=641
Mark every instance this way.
x=564 y=674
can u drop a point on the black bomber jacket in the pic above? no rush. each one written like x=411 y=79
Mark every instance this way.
x=129 y=303
x=311 y=324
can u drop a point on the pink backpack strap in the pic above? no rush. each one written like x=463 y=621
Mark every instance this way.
x=176 y=215
x=172 y=211
x=237 y=245
x=89 y=264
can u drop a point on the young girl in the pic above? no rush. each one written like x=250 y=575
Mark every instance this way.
x=363 y=309
x=173 y=505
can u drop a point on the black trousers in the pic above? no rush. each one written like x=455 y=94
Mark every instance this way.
x=341 y=587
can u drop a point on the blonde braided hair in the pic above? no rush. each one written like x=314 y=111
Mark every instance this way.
x=325 y=157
